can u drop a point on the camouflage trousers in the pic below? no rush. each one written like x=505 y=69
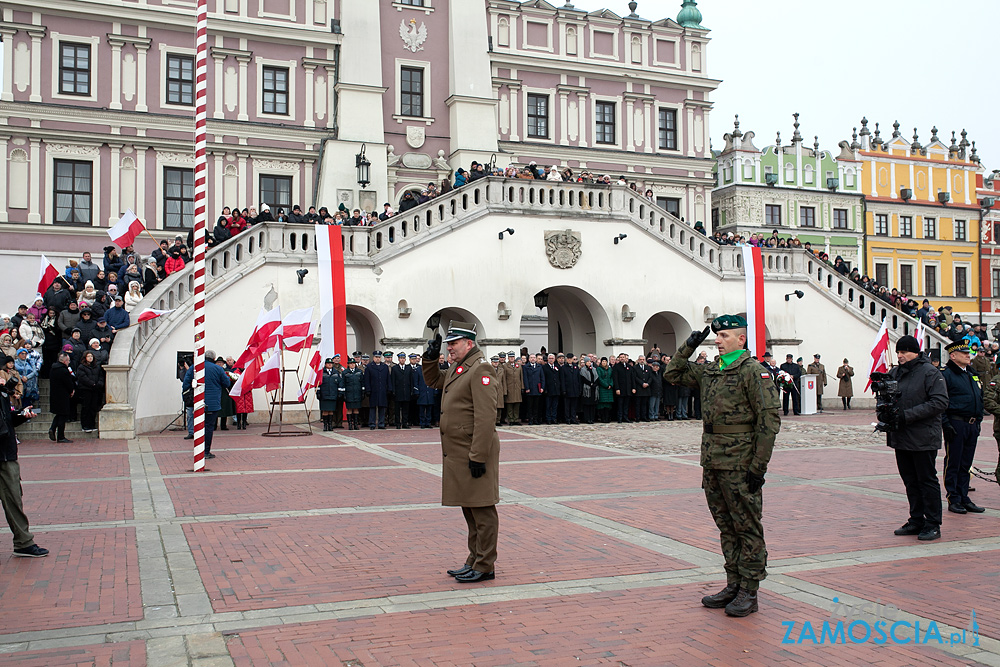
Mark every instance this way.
x=737 y=513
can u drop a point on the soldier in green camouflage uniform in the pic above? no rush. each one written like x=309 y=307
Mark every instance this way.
x=991 y=401
x=740 y=411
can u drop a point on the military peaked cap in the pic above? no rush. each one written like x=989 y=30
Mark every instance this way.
x=958 y=346
x=457 y=330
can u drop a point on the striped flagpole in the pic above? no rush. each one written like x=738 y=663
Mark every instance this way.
x=200 y=196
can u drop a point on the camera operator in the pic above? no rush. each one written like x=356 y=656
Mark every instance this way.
x=10 y=476
x=961 y=426
x=915 y=434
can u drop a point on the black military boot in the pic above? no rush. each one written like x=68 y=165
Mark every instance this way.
x=722 y=598
x=744 y=604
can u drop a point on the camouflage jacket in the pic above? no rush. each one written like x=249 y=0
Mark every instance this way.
x=743 y=393
x=991 y=401
x=983 y=367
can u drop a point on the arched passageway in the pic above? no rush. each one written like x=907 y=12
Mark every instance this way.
x=665 y=329
x=364 y=330
x=574 y=322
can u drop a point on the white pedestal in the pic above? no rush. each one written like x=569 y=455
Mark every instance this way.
x=808 y=385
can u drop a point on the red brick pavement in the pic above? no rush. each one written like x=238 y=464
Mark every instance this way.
x=99 y=446
x=940 y=588
x=73 y=467
x=254 y=437
x=798 y=520
x=286 y=458
x=587 y=477
x=199 y=495
x=653 y=627
x=118 y=654
x=308 y=560
x=77 y=502
x=826 y=463
x=533 y=450
x=90 y=577
x=987 y=494
x=394 y=435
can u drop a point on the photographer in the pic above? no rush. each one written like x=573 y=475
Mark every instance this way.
x=914 y=428
x=10 y=476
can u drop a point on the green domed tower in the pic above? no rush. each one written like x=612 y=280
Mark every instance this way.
x=690 y=16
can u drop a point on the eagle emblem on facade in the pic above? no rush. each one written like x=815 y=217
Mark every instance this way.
x=413 y=37
x=563 y=248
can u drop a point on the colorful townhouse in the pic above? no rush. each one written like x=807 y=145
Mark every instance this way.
x=988 y=198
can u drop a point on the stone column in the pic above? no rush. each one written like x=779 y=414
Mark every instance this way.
x=34 y=182
x=310 y=111
x=36 y=64
x=220 y=61
x=116 y=72
x=243 y=60
x=7 y=34
x=142 y=80
x=115 y=179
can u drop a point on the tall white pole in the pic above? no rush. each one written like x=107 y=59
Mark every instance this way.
x=200 y=196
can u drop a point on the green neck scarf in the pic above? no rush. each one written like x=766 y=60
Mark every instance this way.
x=728 y=358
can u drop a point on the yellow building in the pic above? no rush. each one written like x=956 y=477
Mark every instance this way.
x=922 y=217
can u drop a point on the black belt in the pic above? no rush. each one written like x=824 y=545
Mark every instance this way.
x=964 y=419
x=728 y=428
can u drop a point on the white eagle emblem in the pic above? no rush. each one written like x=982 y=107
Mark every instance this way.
x=413 y=38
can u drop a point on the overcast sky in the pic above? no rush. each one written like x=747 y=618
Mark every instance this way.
x=920 y=62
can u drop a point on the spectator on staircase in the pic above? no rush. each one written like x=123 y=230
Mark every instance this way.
x=69 y=318
x=28 y=363
x=90 y=391
x=133 y=296
x=117 y=317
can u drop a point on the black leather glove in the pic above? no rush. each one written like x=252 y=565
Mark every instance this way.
x=433 y=350
x=696 y=337
x=754 y=481
x=477 y=469
x=949 y=431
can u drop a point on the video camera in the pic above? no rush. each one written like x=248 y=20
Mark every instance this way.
x=887 y=397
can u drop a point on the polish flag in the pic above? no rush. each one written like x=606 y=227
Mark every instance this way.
x=46 y=275
x=753 y=268
x=125 y=231
x=299 y=343
x=263 y=332
x=246 y=381
x=296 y=324
x=880 y=353
x=920 y=334
x=150 y=314
x=313 y=374
x=270 y=374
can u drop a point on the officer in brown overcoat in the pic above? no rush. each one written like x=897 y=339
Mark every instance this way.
x=470 y=446
x=515 y=389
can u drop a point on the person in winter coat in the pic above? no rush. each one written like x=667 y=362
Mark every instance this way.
x=236 y=223
x=354 y=392
x=112 y=262
x=133 y=296
x=401 y=387
x=572 y=386
x=621 y=378
x=75 y=346
x=606 y=393
x=62 y=388
x=846 y=387
x=589 y=390
x=90 y=391
x=10 y=479
x=87 y=324
x=377 y=391
x=175 y=262
x=27 y=368
x=117 y=317
x=58 y=296
x=31 y=330
x=7 y=347
x=100 y=353
x=461 y=178
x=533 y=380
x=329 y=392
x=69 y=318
x=38 y=308
x=425 y=400
x=220 y=232
x=8 y=373
x=52 y=344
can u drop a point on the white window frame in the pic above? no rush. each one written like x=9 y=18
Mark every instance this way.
x=551 y=94
x=936 y=265
x=614 y=43
x=890 y=279
x=617 y=101
x=292 y=171
x=923 y=226
x=968 y=279
x=954 y=229
x=677 y=109
x=398 y=103
x=914 y=278
x=96 y=184
x=258 y=90
x=175 y=161
x=427 y=8
x=663 y=63
x=284 y=17
x=168 y=50
x=548 y=48
x=56 y=40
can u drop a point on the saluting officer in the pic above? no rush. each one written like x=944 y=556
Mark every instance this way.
x=470 y=446
x=740 y=411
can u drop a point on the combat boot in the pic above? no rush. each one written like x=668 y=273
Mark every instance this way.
x=722 y=598
x=744 y=604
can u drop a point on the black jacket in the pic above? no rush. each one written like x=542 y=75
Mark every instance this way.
x=965 y=395
x=533 y=379
x=642 y=374
x=572 y=383
x=401 y=382
x=89 y=378
x=923 y=397
x=62 y=384
x=621 y=379
x=553 y=380
x=8 y=421
x=792 y=369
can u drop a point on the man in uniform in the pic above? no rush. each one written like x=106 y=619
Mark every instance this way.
x=981 y=364
x=961 y=427
x=501 y=385
x=991 y=401
x=401 y=391
x=795 y=371
x=377 y=390
x=740 y=409
x=819 y=370
x=338 y=413
x=515 y=388
x=533 y=380
x=470 y=474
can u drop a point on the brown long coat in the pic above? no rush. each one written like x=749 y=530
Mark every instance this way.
x=846 y=388
x=514 y=382
x=501 y=384
x=468 y=429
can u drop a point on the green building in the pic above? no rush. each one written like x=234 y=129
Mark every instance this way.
x=804 y=192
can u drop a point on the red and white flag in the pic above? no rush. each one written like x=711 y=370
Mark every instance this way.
x=295 y=324
x=920 y=334
x=245 y=383
x=299 y=343
x=879 y=354
x=313 y=374
x=332 y=290
x=270 y=374
x=47 y=275
x=150 y=314
x=753 y=268
x=262 y=338
x=126 y=230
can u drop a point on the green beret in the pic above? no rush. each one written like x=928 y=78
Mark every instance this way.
x=724 y=322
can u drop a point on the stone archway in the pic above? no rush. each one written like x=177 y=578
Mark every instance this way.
x=572 y=321
x=364 y=330
x=667 y=330
x=450 y=313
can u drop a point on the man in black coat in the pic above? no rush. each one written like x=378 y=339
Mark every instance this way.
x=572 y=385
x=62 y=386
x=553 y=389
x=401 y=387
x=795 y=371
x=642 y=380
x=377 y=390
x=621 y=384
x=10 y=476
x=534 y=389
x=961 y=425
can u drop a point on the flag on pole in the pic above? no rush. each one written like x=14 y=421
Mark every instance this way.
x=270 y=374
x=332 y=290
x=151 y=314
x=245 y=383
x=295 y=324
x=299 y=343
x=920 y=333
x=879 y=354
x=47 y=275
x=313 y=374
x=126 y=229
x=753 y=269
x=263 y=333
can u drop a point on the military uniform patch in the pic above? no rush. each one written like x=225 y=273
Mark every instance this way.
x=486 y=380
x=458 y=371
x=765 y=376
